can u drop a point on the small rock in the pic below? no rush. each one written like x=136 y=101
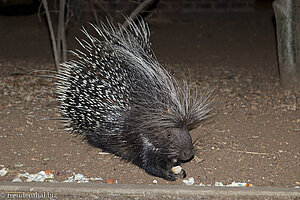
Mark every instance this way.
x=3 y=172
x=17 y=179
x=219 y=184
x=69 y=180
x=81 y=178
x=190 y=181
x=96 y=179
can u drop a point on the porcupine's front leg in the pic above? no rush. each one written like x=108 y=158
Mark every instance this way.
x=156 y=165
x=156 y=169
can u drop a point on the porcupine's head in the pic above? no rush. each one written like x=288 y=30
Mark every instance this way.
x=175 y=144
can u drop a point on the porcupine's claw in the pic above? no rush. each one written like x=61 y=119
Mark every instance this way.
x=157 y=170
x=162 y=169
x=171 y=176
x=182 y=174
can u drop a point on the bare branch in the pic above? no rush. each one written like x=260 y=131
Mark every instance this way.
x=94 y=12
x=137 y=11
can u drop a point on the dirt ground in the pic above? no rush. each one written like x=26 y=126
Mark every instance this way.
x=253 y=137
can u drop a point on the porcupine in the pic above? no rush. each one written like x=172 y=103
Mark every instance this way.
x=117 y=95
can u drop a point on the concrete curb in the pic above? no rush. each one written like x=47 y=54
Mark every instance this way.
x=148 y=190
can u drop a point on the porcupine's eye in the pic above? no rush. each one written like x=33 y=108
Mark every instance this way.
x=168 y=134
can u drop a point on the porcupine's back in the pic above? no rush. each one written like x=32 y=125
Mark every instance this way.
x=118 y=95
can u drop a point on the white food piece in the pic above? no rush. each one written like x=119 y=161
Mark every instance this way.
x=177 y=169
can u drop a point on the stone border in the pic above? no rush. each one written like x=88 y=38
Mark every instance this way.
x=147 y=190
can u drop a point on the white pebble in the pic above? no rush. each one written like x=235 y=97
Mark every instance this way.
x=190 y=181
x=3 y=172
x=17 y=180
x=219 y=184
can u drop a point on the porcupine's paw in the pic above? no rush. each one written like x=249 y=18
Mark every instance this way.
x=167 y=168
x=178 y=171
x=171 y=176
x=158 y=171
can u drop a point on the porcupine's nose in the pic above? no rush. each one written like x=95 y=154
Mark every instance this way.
x=186 y=154
x=187 y=148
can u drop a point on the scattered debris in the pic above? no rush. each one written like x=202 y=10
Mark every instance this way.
x=47 y=171
x=19 y=165
x=190 y=181
x=39 y=177
x=96 y=179
x=70 y=179
x=63 y=173
x=79 y=178
x=239 y=184
x=109 y=181
x=17 y=179
x=233 y=184
x=3 y=172
x=219 y=184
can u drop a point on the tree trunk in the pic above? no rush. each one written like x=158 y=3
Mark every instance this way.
x=288 y=41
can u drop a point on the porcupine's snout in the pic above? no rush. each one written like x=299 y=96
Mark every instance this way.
x=187 y=152
x=184 y=144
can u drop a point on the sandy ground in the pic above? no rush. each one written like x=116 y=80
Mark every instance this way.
x=253 y=137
